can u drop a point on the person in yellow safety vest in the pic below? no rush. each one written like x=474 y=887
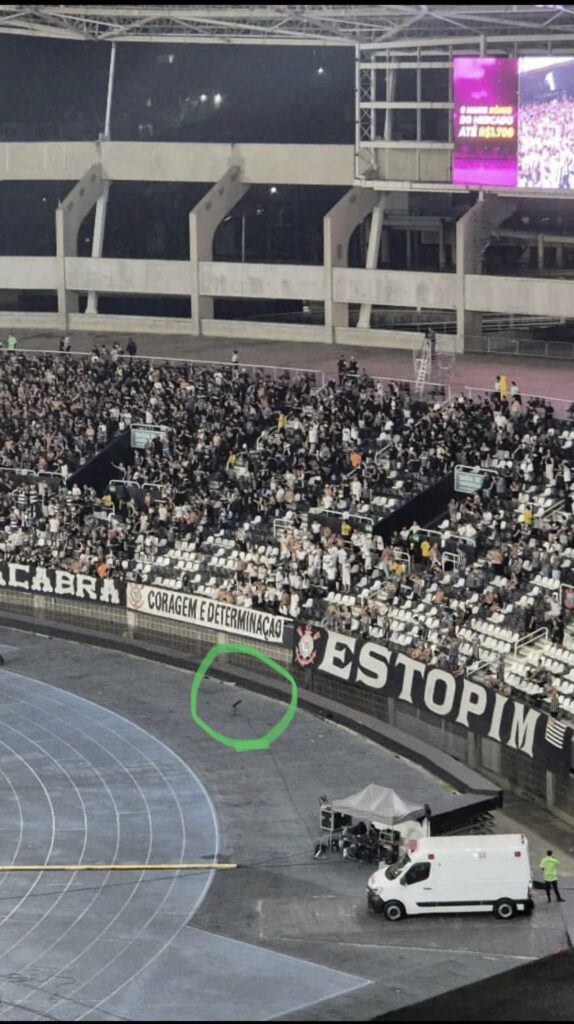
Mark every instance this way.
x=282 y=422
x=11 y=342
x=528 y=516
x=549 y=865
x=504 y=387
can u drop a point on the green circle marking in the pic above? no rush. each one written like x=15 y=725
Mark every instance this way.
x=264 y=742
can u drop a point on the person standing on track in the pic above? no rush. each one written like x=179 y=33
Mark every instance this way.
x=550 y=865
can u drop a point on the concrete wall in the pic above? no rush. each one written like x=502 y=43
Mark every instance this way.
x=367 y=337
x=27 y=273
x=177 y=161
x=262 y=281
x=30 y=321
x=273 y=281
x=527 y=296
x=265 y=331
x=430 y=163
x=111 y=324
x=395 y=288
x=143 y=277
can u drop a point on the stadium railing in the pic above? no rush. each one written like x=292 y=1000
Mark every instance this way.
x=431 y=389
x=561 y=406
x=266 y=370
x=504 y=346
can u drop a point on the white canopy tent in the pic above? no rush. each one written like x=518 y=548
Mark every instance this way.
x=380 y=804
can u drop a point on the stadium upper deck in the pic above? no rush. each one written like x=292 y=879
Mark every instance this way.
x=484 y=269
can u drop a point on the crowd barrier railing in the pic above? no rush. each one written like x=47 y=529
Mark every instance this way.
x=347 y=514
x=529 y=347
x=561 y=406
x=529 y=639
x=430 y=387
x=266 y=369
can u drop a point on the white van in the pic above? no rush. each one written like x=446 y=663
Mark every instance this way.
x=454 y=874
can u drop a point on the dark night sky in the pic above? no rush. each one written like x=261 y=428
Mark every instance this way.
x=54 y=89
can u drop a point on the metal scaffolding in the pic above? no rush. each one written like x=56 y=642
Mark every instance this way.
x=300 y=24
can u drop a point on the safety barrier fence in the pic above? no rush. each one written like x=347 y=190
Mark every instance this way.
x=494 y=344
x=432 y=389
x=254 y=369
x=561 y=406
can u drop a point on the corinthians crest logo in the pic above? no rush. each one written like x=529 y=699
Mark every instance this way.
x=305 y=652
x=136 y=596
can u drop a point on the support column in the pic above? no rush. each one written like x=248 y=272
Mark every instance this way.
x=204 y=220
x=441 y=246
x=473 y=233
x=409 y=249
x=391 y=93
x=372 y=260
x=385 y=247
x=390 y=202
x=540 y=241
x=102 y=203
x=338 y=226
x=69 y=216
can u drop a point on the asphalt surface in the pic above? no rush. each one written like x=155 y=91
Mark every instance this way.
x=101 y=762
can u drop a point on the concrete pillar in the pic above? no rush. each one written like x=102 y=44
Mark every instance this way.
x=102 y=203
x=204 y=220
x=385 y=247
x=338 y=226
x=372 y=260
x=69 y=216
x=441 y=246
x=466 y=262
x=540 y=241
x=473 y=233
x=409 y=249
x=98 y=240
x=389 y=203
x=391 y=94
x=550 y=790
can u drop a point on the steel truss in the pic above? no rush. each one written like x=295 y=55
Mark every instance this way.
x=302 y=24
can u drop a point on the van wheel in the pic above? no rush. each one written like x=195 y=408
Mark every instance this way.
x=505 y=909
x=394 y=911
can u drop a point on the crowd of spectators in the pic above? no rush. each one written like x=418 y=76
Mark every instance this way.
x=545 y=154
x=240 y=461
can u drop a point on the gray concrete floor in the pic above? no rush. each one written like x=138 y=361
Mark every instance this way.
x=99 y=760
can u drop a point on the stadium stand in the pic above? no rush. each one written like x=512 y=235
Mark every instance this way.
x=273 y=493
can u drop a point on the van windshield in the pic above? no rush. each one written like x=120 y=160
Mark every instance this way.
x=395 y=869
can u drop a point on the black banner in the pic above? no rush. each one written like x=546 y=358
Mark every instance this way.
x=357 y=661
x=35 y=579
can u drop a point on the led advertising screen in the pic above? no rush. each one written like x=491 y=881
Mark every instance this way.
x=485 y=121
x=514 y=122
